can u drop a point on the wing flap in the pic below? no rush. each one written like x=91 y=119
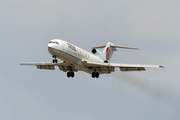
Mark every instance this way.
x=43 y=65
x=132 y=68
x=99 y=67
x=48 y=67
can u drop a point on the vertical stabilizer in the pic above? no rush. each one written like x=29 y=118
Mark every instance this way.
x=108 y=51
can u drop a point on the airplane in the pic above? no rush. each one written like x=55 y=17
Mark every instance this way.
x=75 y=59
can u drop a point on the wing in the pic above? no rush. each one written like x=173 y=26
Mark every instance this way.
x=109 y=67
x=63 y=66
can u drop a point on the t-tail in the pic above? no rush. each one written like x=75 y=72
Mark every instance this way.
x=108 y=50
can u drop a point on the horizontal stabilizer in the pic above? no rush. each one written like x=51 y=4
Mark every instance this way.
x=99 y=47
x=114 y=47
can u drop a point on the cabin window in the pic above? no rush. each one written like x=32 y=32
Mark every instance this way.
x=54 y=42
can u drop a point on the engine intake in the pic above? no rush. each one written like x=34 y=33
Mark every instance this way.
x=94 y=51
x=105 y=61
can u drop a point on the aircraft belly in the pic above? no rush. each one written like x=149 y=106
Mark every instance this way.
x=56 y=52
x=71 y=59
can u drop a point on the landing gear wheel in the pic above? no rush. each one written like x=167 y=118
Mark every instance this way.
x=97 y=75
x=54 y=60
x=93 y=74
x=72 y=74
x=68 y=74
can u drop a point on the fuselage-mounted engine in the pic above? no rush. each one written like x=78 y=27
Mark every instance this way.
x=98 y=53
x=94 y=51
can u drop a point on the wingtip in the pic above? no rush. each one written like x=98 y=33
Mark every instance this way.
x=161 y=66
x=21 y=63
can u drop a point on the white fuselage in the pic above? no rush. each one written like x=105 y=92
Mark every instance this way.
x=71 y=53
x=76 y=59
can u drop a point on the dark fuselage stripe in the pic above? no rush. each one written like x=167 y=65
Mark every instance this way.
x=65 y=53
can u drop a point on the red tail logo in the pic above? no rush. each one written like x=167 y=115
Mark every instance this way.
x=108 y=53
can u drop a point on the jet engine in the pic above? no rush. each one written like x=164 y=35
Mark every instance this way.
x=94 y=51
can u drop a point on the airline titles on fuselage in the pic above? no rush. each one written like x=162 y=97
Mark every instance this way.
x=78 y=51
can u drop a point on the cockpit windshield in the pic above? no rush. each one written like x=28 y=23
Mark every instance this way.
x=54 y=42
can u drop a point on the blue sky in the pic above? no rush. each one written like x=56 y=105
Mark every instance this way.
x=28 y=93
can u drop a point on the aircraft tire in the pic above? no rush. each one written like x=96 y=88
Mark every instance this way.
x=56 y=61
x=93 y=74
x=68 y=74
x=72 y=74
x=97 y=75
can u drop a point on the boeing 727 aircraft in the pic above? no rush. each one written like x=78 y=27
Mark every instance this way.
x=76 y=59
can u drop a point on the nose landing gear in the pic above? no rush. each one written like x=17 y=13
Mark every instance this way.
x=54 y=60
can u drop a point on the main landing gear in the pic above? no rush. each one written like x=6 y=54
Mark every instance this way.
x=54 y=60
x=95 y=74
x=70 y=74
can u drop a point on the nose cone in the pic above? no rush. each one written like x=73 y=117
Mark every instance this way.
x=50 y=45
x=50 y=48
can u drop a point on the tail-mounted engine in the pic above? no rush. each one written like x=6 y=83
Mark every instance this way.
x=94 y=51
x=98 y=53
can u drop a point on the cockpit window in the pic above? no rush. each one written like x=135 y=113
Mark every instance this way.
x=54 y=42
